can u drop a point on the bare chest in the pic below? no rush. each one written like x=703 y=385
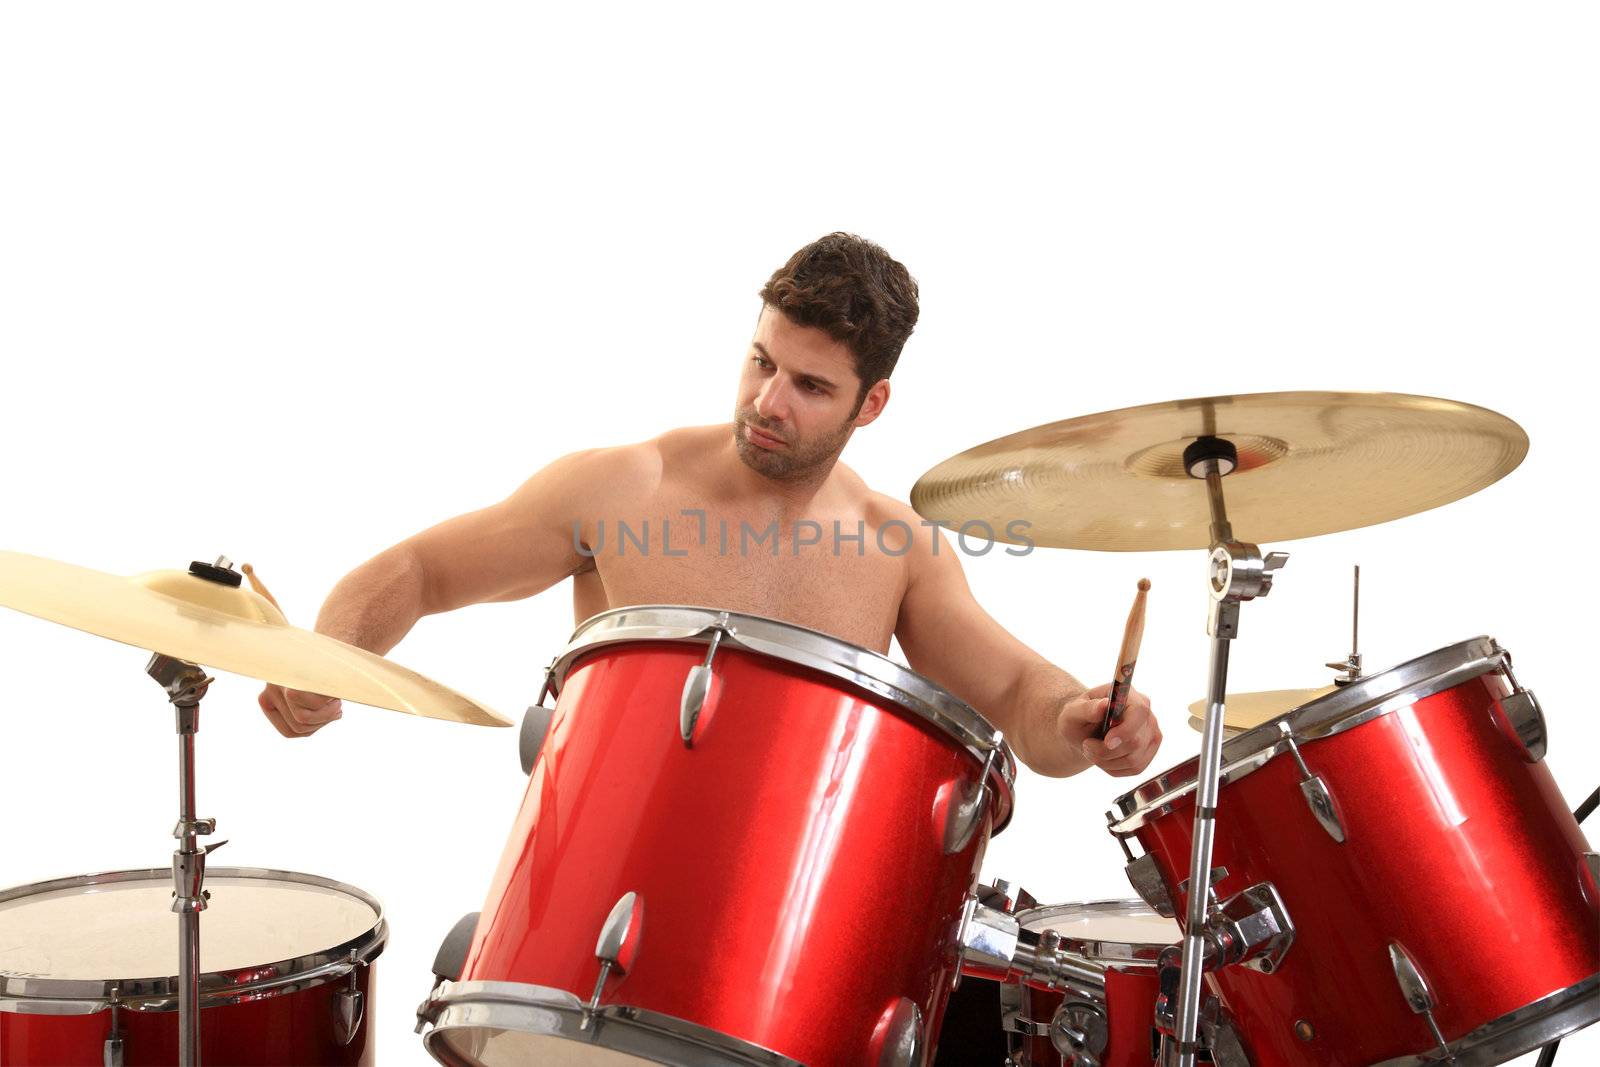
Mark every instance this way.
x=829 y=575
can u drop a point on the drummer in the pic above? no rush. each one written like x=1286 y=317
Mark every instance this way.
x=755 y=516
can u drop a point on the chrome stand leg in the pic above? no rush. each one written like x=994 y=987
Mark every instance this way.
x=1205 y=814
x=186 y=684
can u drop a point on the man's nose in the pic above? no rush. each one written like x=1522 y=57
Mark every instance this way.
x=772 y=402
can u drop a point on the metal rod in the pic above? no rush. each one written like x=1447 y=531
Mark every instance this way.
x=1355 y=620
x=1221 y=528
x=188 y=907
x=1205 y=814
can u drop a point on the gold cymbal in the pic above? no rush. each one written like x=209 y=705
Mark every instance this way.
x=1309 y=463
x=226 y=628
x=1246 y=711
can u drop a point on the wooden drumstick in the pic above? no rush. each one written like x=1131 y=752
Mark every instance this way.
x=259 y=586
x=1122 y=681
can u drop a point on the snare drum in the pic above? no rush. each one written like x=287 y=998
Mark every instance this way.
x=1439 y=891
x=1123 y=936
x=86 y=970
x=770 y=832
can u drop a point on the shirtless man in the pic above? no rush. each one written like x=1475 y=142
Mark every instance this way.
x=762 y=520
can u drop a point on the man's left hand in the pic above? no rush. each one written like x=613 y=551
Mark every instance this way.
x=1130 y=745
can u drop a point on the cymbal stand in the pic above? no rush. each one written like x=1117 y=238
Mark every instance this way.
x=1238 y=572
x=186 y=684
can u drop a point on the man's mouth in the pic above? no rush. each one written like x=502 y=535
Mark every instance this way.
x=765 y=440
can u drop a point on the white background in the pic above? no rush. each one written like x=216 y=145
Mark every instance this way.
x=291 y=282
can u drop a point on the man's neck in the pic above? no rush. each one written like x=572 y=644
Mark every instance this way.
x=789 y=498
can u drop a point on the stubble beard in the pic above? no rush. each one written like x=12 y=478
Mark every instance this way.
x=791 y=463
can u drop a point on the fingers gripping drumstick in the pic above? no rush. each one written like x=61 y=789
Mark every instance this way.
x=1122 y=681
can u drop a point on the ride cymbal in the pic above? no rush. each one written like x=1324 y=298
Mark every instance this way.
x=225 y=627
x=1310 y=463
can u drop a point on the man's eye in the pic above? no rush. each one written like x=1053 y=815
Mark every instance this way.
x=812 y=387
x=759 y=361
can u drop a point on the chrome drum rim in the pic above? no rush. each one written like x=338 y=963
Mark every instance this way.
x=546 y=1012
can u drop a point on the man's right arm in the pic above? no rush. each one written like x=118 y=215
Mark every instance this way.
x=510 y=550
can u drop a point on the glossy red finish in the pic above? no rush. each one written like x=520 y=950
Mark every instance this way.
x=293 y=1028
x=791 y=865
x=1457 y=847
x=1130 y=1016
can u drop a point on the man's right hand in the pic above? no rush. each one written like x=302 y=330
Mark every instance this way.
x=298 y=714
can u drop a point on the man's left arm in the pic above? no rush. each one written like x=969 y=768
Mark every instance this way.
x=1048 y=716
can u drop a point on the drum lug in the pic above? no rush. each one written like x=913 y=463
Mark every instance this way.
x=1414 y=987
x=1523 y=711
x=698 y=683
x=1318 y=797
x=535 y=726
x=1222 y=1040
x=963 y=816
x=1006 y=897
x=900 y=1042
x=349 y=1007
x=1145 y=876
x=1079 y=1032
x=617 y=948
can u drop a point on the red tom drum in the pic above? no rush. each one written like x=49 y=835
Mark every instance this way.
x=1442 y=899
x=743 y=842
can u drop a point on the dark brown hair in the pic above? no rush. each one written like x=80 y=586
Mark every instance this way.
x=853 y=291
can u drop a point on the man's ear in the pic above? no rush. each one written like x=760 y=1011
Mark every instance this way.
x=872 y=406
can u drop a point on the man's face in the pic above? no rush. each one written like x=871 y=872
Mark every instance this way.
x=797 y=399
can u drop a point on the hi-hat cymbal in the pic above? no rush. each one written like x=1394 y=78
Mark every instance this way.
x=227 y=628
x=1309 y=463
x=1246 y=711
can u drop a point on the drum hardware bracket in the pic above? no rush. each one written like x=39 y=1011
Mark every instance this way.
x=1006 y=896
x=1419 y=998
x=617 y=948
x=996 y=946
x=963 y=816
x=1079 y=1032
x=1523 y=710
x=1145 y=877
x=1318 y=797
x=698 y=683
x=349 y=1006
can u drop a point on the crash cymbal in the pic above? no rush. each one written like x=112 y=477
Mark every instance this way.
x=1309 y=463
x=223 y=627
x=1246 y=711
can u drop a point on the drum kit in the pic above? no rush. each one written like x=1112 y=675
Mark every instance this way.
x=744 y=842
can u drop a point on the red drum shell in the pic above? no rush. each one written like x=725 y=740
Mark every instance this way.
x=1130 y=1008
x=291 y=1028
x=1457 y=847
x=791 y=866
x=281 y=1021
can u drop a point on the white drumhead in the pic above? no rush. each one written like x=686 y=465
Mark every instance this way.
x=1107 y=929
x=125 y=928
